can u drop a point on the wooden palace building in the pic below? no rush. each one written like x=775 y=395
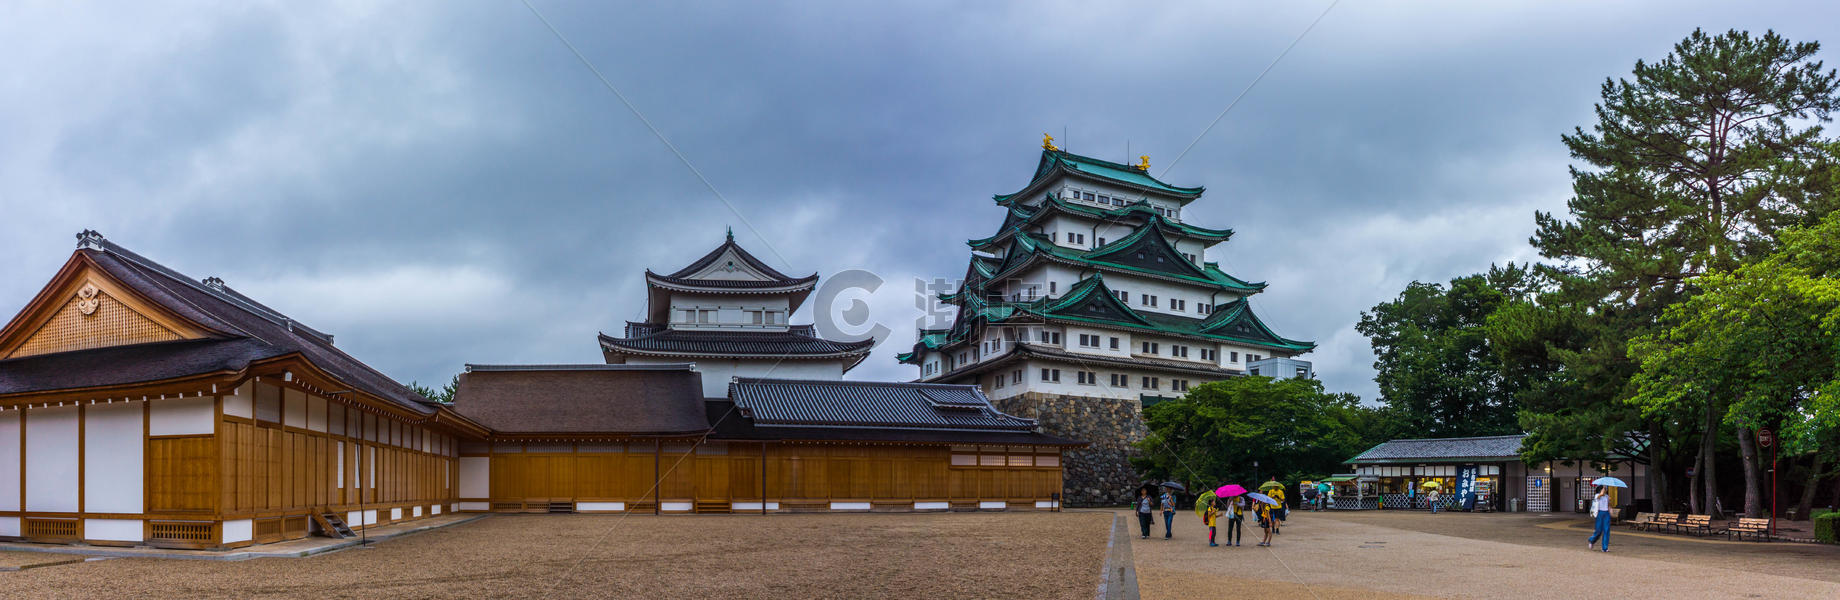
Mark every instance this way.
x=139 y=406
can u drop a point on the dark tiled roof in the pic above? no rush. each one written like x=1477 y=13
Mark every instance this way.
x=798 y=341
x=658 y=399
x=775 y=278
x=1500 y=447
x=734 y=427
x=824 y=404
x=261 y=332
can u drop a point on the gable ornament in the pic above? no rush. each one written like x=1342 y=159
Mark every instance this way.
x=89 y=299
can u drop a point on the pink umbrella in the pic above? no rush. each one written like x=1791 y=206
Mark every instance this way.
x=1229 y=490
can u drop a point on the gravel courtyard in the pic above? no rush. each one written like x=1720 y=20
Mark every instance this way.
x=1024 y=555
x=1387 y=554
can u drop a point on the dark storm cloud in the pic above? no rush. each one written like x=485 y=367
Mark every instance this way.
x=444 y=183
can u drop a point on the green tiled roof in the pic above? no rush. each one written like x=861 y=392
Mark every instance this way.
x=1020 y=217
x=1114 y=256
x=1053 y=161
x=1091 y=302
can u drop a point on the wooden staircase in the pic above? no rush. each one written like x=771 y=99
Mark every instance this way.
x=332 y=525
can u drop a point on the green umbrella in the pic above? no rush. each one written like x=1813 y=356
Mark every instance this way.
x=1271 y=485
x=1201 y=504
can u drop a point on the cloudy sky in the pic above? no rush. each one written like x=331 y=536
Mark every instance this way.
x=444 y=182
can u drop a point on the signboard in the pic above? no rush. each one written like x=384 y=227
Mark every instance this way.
x=1466 y=486
x=1766 y=437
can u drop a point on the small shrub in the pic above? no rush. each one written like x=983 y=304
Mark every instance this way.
x=1826 y=526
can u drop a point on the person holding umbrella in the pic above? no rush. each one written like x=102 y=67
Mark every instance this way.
x=1267 y=509
x=1600 y=508
x=1235 y=510
x=1431 y=496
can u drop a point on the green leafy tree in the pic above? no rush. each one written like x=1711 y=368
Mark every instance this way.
x=1291 y=427
x=1767 y=336
x=1432 y=356
x=1694 y=165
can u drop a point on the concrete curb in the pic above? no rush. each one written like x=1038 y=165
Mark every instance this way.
x=228 y=555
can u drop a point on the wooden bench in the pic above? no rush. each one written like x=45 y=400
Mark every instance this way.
x=1642 y=520
x=1696 y=523
x=1758 y=528
x=1663 y=521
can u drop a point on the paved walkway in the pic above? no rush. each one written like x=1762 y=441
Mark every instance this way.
x=307 y=546
x=1457 y=555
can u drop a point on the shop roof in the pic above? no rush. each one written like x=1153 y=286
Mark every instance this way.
x=1491 y=448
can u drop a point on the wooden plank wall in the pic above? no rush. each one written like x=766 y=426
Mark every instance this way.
x=268 y=469
x=794 y=473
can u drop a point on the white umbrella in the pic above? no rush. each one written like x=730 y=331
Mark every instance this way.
x=1609 y=481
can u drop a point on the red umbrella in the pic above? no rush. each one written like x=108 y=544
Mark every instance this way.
x=1229 y=490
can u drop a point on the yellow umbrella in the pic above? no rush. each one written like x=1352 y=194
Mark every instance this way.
x=1201 y=504
x=1271 y=485
x=1432 y=484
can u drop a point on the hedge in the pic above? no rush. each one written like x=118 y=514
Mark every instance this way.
x=1826 y=526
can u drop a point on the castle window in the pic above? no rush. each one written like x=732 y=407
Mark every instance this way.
x=1234 y=355
x=1114 y=343
x=1051 y=375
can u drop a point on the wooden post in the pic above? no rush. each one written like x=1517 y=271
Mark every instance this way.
x=763 y=478
x=657 y=478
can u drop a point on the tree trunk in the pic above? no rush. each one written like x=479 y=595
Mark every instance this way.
x=1815 y=473
x=1709 y=478
x=1754 y=500
x=1657 y=476
x=1693 y=487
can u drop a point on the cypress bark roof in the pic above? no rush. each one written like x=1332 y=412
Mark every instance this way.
x=606 y=399
x=242 y=332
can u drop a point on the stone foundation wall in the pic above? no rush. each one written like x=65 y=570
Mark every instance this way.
x=1100 y=474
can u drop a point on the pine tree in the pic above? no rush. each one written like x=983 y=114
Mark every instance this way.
x=1694 y=165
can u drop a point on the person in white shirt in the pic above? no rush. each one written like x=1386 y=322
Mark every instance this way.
x=1600 y=508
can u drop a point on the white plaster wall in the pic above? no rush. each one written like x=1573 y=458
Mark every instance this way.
x=112 y=530
x=475 y=477
x=850 y=506
x=293 y=408
x=731 y=310
x=335 y=419
x=51 y=459
x=9 y=462
x=339 y=479
x=370 y=517
x=600 y=506
x=241 y=530
x=112 y=470
x=472 y=506
x=993 y=505
x=1072 y=341
x=241 y=403
x=932 y=505
x=267 y=401
x=1069 y=384
x=182 y=416
x=9 y=526
x=316 y=413
x=395 y=514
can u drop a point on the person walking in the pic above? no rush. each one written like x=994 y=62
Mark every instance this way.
x=1168 y=501
x=1143 y=512
x=1600 y=508
x=1432 y=497
x=1236 y=518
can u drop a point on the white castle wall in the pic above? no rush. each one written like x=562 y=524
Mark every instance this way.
x=51 y=459
x=113 y=468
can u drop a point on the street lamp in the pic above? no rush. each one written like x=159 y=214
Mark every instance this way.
x=1255 y=472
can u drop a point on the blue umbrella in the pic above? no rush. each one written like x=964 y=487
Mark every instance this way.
x=1262 y=498
x=1609 y=481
